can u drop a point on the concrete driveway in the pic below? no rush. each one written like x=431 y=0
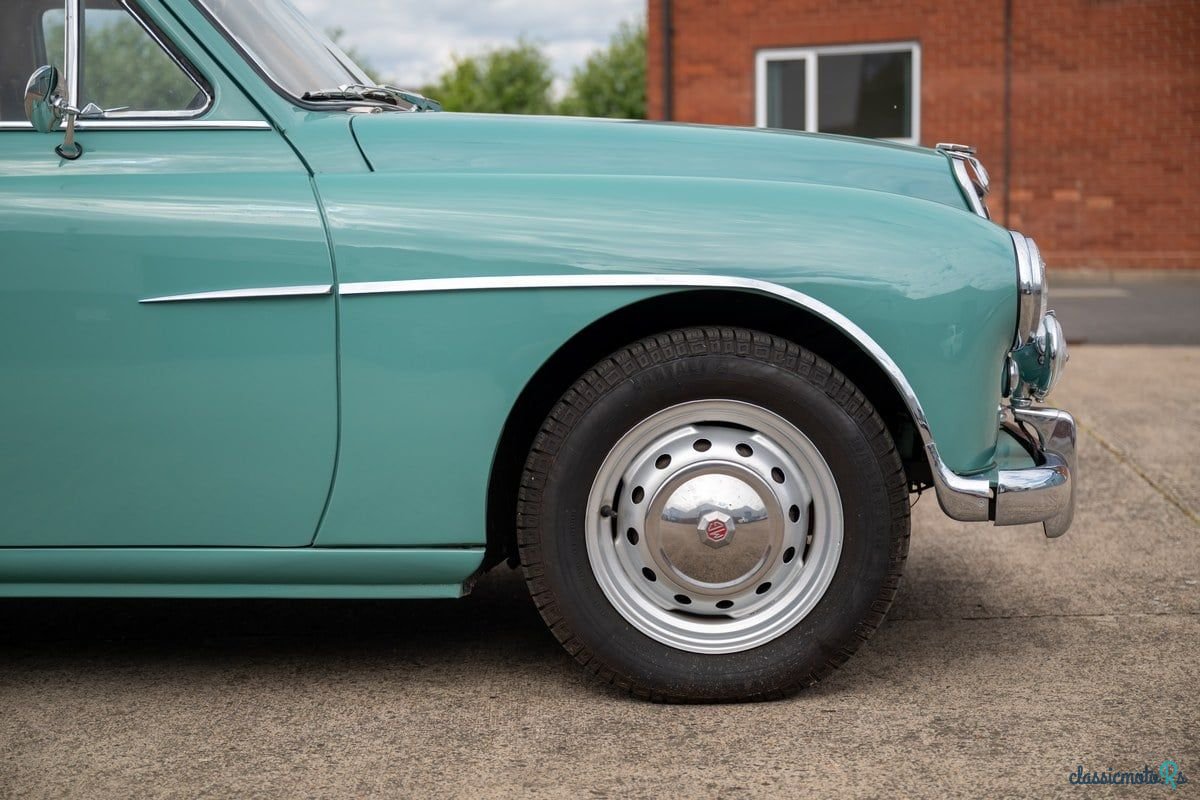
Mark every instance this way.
x=1007 y=662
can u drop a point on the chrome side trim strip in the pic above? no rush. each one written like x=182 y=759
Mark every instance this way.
x=970 y=499
x=315 y=290
x=794 y=297
x=485 y=283
x=148 y=124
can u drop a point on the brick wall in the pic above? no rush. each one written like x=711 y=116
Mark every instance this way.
x=1105 y=98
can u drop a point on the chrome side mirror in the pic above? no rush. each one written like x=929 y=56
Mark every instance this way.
x=41 y=94
x=45 y=108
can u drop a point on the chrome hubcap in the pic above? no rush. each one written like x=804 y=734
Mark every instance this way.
x=714 y=526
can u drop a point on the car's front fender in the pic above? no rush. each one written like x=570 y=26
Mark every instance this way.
x=430 y=372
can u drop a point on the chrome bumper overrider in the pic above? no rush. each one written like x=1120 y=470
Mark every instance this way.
x=1043 y=493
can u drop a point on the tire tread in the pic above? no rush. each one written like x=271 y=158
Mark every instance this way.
x=671 y=346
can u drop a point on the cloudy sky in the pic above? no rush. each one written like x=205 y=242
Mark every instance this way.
x=412 y=41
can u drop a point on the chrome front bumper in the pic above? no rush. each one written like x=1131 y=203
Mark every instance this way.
x=1042 y=493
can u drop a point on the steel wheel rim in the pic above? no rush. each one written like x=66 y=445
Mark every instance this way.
x=767 y=519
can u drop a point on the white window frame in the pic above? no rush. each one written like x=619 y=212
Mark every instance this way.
x=809 y=56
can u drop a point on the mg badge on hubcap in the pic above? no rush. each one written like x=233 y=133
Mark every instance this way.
x=716 y=529
x=727 y=529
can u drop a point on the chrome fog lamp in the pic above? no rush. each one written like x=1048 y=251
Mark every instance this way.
x=1050 y=347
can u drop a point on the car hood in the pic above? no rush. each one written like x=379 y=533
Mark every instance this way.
x=526 y=145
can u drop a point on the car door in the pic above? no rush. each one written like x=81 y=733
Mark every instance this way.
x=159 y=387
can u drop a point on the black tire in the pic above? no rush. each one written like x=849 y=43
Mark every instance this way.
x=676 y=367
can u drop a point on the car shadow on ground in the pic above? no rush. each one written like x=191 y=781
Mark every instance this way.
x=499 y=607
x=496 y=626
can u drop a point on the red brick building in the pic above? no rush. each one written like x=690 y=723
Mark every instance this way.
x=1085 y=112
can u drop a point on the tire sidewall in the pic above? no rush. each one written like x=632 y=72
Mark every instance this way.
x=800 y=397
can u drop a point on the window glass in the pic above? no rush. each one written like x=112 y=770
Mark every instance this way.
x=869 y=91
x=21 y=52
x=865 y=94
x=786 y=94
x=122 y=67
x=294 y=55
x=52 y=36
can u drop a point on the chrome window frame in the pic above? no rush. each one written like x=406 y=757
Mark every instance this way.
x=187 y=120
x=153 y=125
x=76 y=45
x=810 y=56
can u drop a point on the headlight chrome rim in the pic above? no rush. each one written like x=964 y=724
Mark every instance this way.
x=1031 y=288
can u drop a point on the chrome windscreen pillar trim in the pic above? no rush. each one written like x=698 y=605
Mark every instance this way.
x=638 y=280
x=1045 y=493
x=315 y=290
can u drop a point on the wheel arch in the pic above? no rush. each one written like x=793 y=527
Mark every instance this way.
x=686 y=308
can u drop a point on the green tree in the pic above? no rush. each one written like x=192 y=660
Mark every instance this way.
x=612 y=83
x=508 y=80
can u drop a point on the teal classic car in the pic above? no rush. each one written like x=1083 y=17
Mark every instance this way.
x=272 y=330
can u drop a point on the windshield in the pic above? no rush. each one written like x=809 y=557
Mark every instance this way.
x=285 y=45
